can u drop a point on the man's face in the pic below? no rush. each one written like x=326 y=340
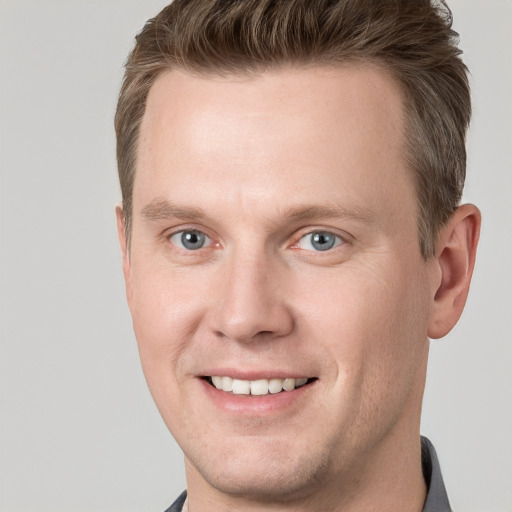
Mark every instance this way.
x=275 y=237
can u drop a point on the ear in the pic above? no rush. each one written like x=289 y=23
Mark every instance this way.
x=454 y=262
x=121 y=233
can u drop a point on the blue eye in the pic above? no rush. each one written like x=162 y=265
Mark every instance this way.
x=319 y=241
x=190 y=239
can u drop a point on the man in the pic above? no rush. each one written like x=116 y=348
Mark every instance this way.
x=292 y=236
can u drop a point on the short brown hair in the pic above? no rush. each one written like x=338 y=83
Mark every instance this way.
x=411 y=38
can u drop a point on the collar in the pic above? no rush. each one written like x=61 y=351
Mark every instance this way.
x=437 y=499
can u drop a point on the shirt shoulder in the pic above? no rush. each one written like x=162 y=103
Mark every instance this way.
x=177 y=506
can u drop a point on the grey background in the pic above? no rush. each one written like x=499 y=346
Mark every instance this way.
x=78 y=429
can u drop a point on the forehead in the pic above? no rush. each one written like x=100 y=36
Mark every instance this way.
x=315 y=99
x=333 y=133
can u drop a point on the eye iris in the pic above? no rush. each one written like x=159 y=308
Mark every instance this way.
x=323 y=241
x=192 y=239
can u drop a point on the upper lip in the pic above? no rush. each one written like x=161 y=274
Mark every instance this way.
x=255 y=374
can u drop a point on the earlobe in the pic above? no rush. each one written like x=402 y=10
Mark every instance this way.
x=455 y=259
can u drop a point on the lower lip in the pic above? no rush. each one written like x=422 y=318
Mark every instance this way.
x=255 y=404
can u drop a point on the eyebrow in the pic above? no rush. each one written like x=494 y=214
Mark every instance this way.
x=162 y=209
x=312 y=212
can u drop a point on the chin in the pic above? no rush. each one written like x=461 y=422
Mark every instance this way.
x=265 y=475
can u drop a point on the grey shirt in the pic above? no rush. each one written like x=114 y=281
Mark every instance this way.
x=437 y=499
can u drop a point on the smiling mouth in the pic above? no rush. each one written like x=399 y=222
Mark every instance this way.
x=258 y=387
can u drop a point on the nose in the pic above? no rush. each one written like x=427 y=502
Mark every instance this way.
x=252 y=302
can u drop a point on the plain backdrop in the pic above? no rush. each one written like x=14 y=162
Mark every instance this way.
x=78 y=429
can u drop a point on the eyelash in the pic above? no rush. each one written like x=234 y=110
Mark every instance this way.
x=182 y=232
x=324 y=233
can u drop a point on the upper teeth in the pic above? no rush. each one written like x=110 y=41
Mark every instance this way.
x=257 y=387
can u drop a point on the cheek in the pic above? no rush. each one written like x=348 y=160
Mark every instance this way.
x=165 y=314
x=165 y=317
x=374 y=332
x=371 y=320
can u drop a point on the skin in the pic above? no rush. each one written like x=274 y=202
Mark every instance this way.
x=257 y=164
